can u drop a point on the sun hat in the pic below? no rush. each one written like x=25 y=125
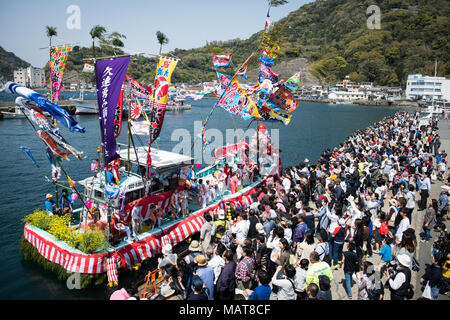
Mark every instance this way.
x=194 y=246
x=167 y=291
x=200 y=260
x=167 y=249
x=393 y=202
x=405 y=260
x=49 y=195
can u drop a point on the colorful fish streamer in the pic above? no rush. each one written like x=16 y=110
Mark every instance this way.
x=58 y=61
x=223 y=60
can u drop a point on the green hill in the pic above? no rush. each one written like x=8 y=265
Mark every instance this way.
x=8 y=63
x=333 y=38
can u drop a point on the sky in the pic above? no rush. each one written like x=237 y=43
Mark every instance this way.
x=187 y=23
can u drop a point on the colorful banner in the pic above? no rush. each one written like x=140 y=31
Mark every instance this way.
x=164 y=71
x=293 y=83
x=224 y=80
x=138 y=89
x=58 y=60
x=284 y=99
x=231 y=97
x=266 y=72
x=118 y=115
x=88 y=68
x=268 y=114
x=110 y=74
x=223 y=60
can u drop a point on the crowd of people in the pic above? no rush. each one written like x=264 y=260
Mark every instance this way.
x=356 y=203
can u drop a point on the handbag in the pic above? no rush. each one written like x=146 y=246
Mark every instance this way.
x=427 y=292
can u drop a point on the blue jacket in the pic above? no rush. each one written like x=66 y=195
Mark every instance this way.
x=207 y=275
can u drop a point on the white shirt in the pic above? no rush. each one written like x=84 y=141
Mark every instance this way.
x=217 y=263
x=286 y=184
x=286 y=288
x=241 y=230
x=403 y=226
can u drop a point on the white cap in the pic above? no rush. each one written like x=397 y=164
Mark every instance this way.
x=405 y=260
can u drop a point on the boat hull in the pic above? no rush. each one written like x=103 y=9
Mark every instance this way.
x=146 y=245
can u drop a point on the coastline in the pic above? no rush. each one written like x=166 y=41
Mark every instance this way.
x=400 y=104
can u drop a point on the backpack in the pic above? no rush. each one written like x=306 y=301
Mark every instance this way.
x=384 y=230
x=326 y=258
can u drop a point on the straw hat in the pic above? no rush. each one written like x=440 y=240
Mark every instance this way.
x=393 y=202
x=167 y=291
x=405 y=260
x=200 y=260
x=194 y=246
x=49 y=195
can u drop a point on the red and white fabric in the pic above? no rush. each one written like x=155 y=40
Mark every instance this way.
x=130 y=254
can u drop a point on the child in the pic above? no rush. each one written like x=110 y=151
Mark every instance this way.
x=386 y=254
x=299 y=279
x=381 y=230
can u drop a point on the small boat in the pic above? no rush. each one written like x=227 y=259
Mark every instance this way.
x=82 y=106
x=15 y=113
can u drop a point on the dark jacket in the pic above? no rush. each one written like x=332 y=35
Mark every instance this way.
x=433 y=274
x=226 y=283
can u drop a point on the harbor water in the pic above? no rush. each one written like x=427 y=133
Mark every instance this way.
x=314 y=127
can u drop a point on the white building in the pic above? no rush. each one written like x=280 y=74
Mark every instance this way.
x=20 y=77
x=427 y=88
x=29 y=77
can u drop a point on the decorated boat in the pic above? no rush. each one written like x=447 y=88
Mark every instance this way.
x=139 y=198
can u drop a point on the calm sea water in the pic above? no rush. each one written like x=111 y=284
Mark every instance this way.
x=314 y=127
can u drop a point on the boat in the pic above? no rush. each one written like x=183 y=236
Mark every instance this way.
x=148 y=184
x=13 y=113
x=82 y=106
x=167 y=167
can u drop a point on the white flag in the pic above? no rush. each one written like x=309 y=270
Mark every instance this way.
x=140 y=127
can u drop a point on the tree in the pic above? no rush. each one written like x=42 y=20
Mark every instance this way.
x=51 y=32
x=162 y=39
x=96 y=32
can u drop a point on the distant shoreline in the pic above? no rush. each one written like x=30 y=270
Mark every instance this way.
x=408 y=104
